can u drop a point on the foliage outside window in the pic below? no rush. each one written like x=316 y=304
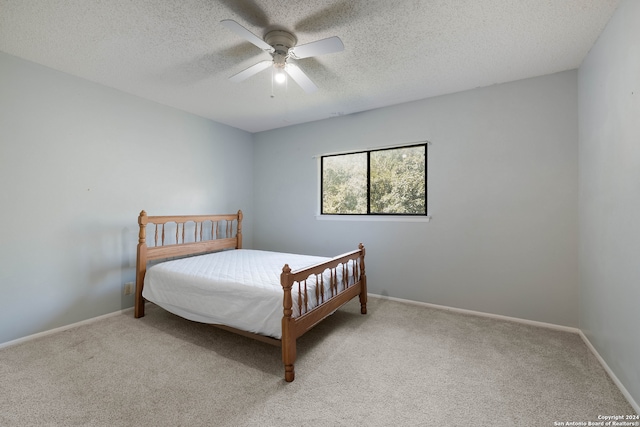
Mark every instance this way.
x=389 y=181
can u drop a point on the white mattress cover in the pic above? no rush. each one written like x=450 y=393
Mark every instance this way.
x=239 y=288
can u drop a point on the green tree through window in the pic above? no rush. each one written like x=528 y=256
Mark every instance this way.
x=377 y=182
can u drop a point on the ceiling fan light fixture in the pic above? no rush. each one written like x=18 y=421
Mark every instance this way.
x=279 y=76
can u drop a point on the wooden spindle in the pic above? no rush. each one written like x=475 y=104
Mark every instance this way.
x=335 y=280
x=354 y=264
x=345 y=273
x=155 y=240
x=319 y=289
x=239 y=230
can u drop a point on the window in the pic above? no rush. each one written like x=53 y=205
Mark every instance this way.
x=390 y=181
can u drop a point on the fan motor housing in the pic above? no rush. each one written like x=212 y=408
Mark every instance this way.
x=280 y=40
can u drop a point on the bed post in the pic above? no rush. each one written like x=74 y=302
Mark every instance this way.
x=239 y=231
x=288 y=331
x=363 y=279
x=141 y=264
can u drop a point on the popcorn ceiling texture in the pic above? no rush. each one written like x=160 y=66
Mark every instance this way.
x=178 y=54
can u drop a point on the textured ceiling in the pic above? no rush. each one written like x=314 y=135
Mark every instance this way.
x=178 y=54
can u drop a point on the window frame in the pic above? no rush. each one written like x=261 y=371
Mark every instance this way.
x=374 y=215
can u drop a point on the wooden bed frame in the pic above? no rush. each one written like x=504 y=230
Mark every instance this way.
x=219 y=236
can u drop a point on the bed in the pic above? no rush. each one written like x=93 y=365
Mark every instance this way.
x=194 y=266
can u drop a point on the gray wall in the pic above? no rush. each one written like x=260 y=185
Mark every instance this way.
x=78 y=162
x=503 y=192
x=609 y=105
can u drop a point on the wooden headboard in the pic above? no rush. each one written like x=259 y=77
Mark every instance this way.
x=183 y=235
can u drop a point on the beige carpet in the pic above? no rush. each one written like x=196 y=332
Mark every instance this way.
x=400 y=365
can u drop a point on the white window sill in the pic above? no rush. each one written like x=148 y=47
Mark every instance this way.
x=384 y=218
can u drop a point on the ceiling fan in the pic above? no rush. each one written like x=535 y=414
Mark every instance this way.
x=281 y=45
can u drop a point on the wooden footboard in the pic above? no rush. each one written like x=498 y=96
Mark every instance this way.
x=352 y=284
x=185 y=235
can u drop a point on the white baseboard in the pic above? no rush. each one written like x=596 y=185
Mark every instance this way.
x=481 y=314
x=62 y=328
x=612 y=375
x=593 y=350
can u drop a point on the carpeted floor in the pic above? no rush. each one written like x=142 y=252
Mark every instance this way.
x=400 y=365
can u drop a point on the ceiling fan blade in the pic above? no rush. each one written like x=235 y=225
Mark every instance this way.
x=245 y=34
x=254 y=69
x=301 y=78
x=320 y=47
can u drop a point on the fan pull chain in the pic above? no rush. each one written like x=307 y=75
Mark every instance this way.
x=273 y=77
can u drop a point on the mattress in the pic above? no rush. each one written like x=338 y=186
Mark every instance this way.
x=238 y=288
